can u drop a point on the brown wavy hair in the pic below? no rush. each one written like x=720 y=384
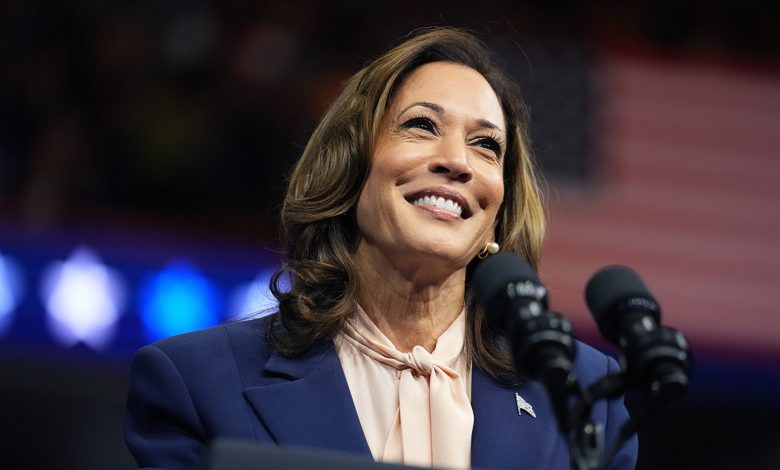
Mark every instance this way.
x=317 y=285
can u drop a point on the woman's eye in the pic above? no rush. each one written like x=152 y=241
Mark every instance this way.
x=420 y=123
x=490 y=144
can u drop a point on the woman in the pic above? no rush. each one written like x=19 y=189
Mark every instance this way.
x=420 y=168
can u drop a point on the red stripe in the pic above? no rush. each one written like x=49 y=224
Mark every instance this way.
x=690 y=198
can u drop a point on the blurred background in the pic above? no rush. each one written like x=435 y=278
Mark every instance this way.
x=144 y=147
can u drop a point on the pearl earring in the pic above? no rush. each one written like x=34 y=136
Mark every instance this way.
x=491 y=248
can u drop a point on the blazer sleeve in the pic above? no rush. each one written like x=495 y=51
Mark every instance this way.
x=162 y=427
x=617 y=416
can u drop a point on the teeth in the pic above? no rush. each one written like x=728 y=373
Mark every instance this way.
x=440 y=203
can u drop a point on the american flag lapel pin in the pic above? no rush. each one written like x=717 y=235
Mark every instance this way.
x=523 y=405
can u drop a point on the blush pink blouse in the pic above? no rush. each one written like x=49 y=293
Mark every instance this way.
x=414 y=407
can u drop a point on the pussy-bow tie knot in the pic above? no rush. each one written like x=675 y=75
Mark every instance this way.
x=419 y=360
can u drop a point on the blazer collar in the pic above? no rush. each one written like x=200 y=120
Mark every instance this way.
x=308 y=402
x=503 y=438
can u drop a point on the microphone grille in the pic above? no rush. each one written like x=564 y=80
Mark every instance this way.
x=492 y=276
x=606 y=289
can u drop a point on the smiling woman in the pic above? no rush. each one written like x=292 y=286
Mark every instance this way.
x=379 y=110
x=419 y=165
x=432 y=145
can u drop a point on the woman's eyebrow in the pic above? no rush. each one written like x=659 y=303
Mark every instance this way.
x=489 y=125
x=439 y=109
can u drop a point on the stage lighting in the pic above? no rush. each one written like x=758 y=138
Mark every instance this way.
x=11 y=290
x=83 y=299
x=177 y=300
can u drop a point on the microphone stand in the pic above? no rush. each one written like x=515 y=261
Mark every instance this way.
x=657 y=366
x=656 y=359
x=586 y=439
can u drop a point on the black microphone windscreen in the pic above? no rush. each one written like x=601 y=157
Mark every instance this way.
x=606 y=289
x=494 y=273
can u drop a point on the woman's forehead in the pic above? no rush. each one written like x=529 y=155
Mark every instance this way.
x=449 y=87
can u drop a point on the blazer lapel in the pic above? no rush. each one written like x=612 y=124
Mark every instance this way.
x=502 y=438
x=309 y=403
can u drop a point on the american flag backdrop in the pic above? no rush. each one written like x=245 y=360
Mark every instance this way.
x=687 y=193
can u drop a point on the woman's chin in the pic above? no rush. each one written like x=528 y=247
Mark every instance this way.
x=440 y=257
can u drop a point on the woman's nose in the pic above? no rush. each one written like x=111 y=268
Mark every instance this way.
x=452 y=159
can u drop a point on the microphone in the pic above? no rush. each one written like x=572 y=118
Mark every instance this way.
x=656 y=359
x=541 y=342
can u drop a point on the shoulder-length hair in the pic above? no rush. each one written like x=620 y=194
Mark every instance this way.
x=317 y=285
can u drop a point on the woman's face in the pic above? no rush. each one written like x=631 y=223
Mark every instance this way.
x=436 y=180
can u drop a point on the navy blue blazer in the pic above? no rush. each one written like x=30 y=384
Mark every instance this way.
x=227 y=381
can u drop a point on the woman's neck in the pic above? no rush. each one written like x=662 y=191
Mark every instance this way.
x=410 y=306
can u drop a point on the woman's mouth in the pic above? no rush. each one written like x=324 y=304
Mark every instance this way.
x=447 y=205
x=442 y=199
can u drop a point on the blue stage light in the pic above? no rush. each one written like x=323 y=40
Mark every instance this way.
x=177 y=300
x=11 y=290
